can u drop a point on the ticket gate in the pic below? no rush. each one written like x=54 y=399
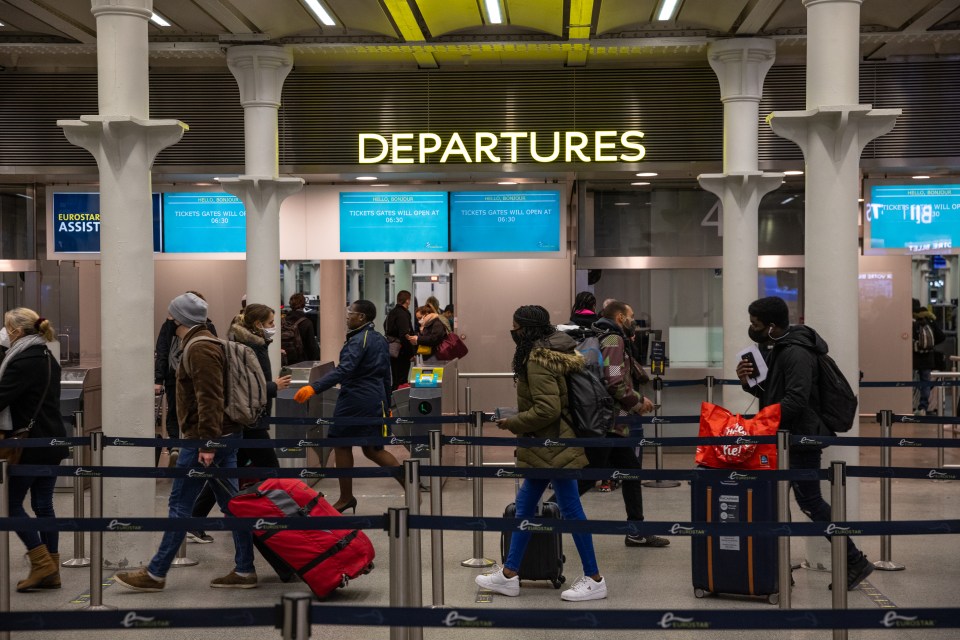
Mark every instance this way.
x=319 y=406
x=80 y=390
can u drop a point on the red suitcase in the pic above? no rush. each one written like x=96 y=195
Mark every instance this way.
x=324 y=559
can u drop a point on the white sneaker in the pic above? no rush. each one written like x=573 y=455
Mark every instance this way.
x=497 y=582
x=586 y=588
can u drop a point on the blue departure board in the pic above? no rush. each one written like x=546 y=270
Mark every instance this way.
x=393 y=221
x=912 y=219
x=76 y=222
x=508 y=221
x=207 y=222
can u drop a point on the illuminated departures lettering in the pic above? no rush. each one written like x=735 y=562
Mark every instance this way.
x=506 y=146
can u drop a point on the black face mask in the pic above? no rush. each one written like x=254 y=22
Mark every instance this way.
x=629 y=329
x=516 y=334
x=759 y=337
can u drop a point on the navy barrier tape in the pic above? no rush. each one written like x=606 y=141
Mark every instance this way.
x=364 y=421
x=468 y=523
x=902 y=618
x=304 y=473
x=625 y=474
x=910 y=383
x=910 y=418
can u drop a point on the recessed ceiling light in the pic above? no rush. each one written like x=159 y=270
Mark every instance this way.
x=921 y=177
x=639 y=184
x=667 y=10
x=621 y=204
x=506 y=183
x=493 y=11
x=793 y=172
x=859 y=199
x=321 y=13
x=159 y=20
x=366 y=178
x=647 y=174
x=788 y=200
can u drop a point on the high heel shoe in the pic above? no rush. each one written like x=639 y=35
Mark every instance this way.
x=350 y=504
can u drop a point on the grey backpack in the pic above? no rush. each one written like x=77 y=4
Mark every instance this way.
x=244 y=385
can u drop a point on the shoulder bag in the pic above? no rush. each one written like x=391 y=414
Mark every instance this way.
x=13 y=454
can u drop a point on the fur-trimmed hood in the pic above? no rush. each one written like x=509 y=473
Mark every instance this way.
x=240 y=333
x=557 y=352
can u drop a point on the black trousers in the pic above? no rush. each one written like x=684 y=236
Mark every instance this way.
x=618 y=458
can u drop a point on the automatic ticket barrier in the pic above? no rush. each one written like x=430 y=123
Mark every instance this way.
x=80 y=390
x=422 y=399
x=319 y=406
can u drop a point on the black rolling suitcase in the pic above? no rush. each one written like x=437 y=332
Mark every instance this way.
x=543 y=559
x=736 y=565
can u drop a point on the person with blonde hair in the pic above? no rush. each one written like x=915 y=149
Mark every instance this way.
x=30 y=405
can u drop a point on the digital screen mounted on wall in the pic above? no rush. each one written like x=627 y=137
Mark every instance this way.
x=912 y=219
x=208 y=222
x=76 y=222
x=509 y=221
x=393 y=221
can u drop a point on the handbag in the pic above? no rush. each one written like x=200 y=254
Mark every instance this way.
x=13 y=454
x=452 y=347
x=394 y=346
x=715 y=422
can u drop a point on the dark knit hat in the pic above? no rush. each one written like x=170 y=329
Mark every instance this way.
x=188 y=309
x=531 y=315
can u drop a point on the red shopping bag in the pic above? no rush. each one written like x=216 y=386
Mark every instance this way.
x=715 y=421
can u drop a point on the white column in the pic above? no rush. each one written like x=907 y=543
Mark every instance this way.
x=125 y=142
x=402 y=277
x=741 y=65
x=290 y=286
x=333 y=308
x=260 y=72
x=374 y=284
x=832 y=133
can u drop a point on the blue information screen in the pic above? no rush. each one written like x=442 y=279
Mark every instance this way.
x=413 y=221
x=913 y=219
x=505 y=221
x=76 y=222
x=209 y=222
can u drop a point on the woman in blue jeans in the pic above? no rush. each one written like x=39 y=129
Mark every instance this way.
x=543 y=358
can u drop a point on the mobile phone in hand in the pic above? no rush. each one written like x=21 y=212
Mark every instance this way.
x=748 y=357
x=285 y=371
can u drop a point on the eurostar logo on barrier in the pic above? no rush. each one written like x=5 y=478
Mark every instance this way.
x=893 y=620
x=552 y=443
x=456 y=440
x=396 y=440
x=403 y=421
x=680 y=530
x=529 y=525
x=735 y=475
x=291 y=449
x=308 y=443
x=133 y=621
x=213 y=444
x=936 y=474
x=657 y=420
x=58 y=443
x=806 y=440
x=506 y=473
x=116 y=525
x=322 y=421
x=307 y=473
x=267 y=525
x=622 y=475
x=420 y=448
x=197 y=473
x=837 y=530
x=673 y=621
x=648 y=443
x=907 y=419
x=908 y=443
x=117 y=442
x=746 y=441
x=454 y=619
x=86 y=472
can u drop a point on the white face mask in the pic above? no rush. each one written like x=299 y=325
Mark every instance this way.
x=4 y=338
x=269 y=332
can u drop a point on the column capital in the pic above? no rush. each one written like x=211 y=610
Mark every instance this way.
x=112 y=139
x=261 y=193
x=839 y=126
x=741 y=64
x=744 y=186
x=260 y=71
x=138 y=8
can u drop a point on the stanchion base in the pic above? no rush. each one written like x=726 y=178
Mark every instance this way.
x=478 y=563
x=99 y=607
x=76 y=562
x=660 y=484
x=184 y=562
x=888 y=565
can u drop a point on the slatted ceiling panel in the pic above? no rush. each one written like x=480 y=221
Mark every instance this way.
x=784 y=89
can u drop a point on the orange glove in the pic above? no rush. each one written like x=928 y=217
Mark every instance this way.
x=304 y=394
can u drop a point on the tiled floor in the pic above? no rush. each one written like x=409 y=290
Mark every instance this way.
x=637 y=578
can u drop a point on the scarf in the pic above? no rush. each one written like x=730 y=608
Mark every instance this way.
x=6 y=419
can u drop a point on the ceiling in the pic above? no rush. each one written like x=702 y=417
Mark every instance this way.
x=60 y=35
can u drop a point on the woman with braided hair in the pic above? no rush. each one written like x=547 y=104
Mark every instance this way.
x=541 y=362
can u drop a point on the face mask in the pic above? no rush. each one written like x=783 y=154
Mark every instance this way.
x=515 y=334
x=269 y=332
x=4 y=338
x=630 y=328
x=757 y=336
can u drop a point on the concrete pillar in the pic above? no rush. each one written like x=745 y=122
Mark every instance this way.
x=313 y=287
x=290 y=285
x=125 y=143
x=832 y=132
x=353 y=287
x=260 y=72
x=402 y=277
x=375 y=284
x=333 y=308
x=741 y=65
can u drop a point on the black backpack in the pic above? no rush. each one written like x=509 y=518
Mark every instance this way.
x=592 y=408
x=838 y=404
x=291 y=341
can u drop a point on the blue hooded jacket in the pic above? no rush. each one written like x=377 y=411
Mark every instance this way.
x=363 y=374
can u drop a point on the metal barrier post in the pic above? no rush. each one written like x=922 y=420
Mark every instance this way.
x=181 y=559
x=940 y=428
x=399 y=567
x=466 y=409
x=886 y=431
x=295 y=624
x=783 y=515
x=96 y=537
x=710 y=381
x=658 y=433
x=4 y=545
x=477 y=561
x=411 y=482
x=436 y=509
x=79 y=558
x=838 y=559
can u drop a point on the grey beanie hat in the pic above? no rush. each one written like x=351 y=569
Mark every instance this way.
x=188 y=309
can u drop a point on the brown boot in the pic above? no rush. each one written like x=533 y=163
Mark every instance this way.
x=52 y=581
x=41 y=566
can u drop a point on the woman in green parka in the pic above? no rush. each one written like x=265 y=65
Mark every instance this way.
x=543 y=358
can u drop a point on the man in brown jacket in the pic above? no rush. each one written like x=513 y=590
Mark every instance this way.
x=200 y=396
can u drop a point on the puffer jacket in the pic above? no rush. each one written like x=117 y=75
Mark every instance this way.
x=542 y=402
x=22 y=390
x=239 y=333
x=200 y=392
x=432 y=331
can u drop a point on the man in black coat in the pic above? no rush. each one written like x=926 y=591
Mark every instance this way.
x=790 y=352
x=397 y=327
x=926 y=334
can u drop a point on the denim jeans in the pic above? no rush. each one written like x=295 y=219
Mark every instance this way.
x=568 y=499
x=182 y=496
x=924 y=401
x=41 y=501
x=809 y=497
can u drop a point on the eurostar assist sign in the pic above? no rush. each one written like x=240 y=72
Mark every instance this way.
x=503 y=147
